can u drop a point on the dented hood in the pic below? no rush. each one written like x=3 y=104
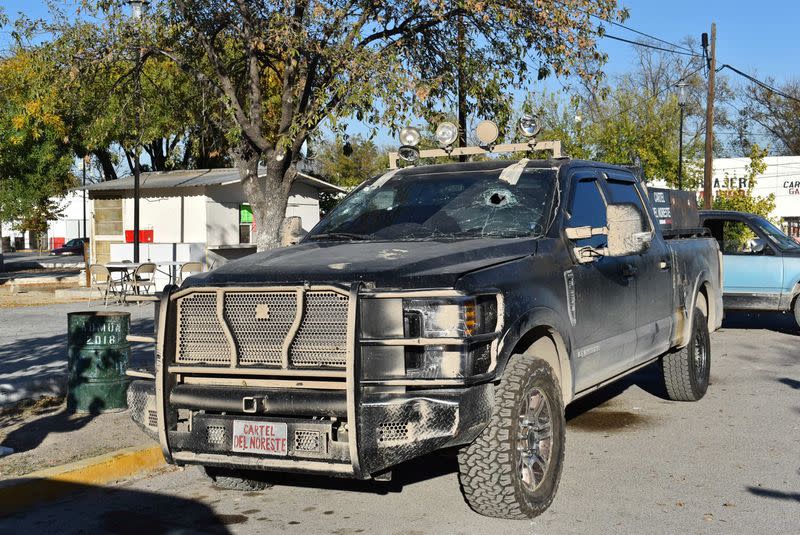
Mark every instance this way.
x=400 y=264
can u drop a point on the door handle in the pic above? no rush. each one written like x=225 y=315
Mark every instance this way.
x=664 y=264
x=629 y=271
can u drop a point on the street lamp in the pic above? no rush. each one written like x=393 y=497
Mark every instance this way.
x=137 y=7
x=682 y=104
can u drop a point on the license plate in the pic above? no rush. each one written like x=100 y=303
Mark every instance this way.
x=264 y=438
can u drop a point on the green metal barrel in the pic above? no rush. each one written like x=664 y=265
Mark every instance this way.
x=98 y=357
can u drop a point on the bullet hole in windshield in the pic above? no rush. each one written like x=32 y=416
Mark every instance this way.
x=498 y=199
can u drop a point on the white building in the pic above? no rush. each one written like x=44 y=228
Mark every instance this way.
x=187 y=215
x=69 y=225
x=781 y=178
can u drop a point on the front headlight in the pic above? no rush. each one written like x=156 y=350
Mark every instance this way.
x=449 y=317
x=449 y=337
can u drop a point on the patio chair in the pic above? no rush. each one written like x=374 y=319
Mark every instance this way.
x=189 y=268
x=100 y=278
x=141 y=283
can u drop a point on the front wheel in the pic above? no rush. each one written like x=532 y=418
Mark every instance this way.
x=687 y=370
x=797 y=311
x=513 y=468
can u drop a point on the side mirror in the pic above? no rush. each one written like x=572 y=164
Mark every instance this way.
x=758 y=246
x=626 y=230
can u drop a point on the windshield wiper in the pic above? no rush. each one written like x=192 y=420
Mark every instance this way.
x=339 y=236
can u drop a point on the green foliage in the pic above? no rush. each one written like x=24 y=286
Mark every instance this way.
x=366 y=160
x=35 y=156
x=334 y=164
x=743 y=200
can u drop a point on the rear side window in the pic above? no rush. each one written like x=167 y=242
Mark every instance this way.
x=624 y=192
x=587 y=209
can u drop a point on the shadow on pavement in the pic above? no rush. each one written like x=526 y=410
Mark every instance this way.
x=774 y=494
x=773 y=321
x=37 y=366
x=33 y=433
x=791 y=383
x=117 y=511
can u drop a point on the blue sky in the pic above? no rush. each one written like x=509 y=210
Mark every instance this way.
x=760 y=38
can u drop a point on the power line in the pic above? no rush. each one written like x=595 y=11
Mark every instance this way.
x=759 y=82
x=634 y=30
x=654 y=47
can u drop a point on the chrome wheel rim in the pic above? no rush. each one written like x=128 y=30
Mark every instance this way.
x=534 y=439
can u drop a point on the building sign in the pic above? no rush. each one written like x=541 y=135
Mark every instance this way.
x=731 y=183
x=792 y=186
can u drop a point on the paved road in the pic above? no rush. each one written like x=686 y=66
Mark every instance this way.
x=33 y=347
x=635 y=463
x=31 y=260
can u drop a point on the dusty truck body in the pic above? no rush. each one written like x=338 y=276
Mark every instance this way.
x=441 y=306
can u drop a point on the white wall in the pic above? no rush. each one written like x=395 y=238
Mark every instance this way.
x=781 y=178
x=161 y=211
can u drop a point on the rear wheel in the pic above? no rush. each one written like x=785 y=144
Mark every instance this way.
x=687 y=370
x=513 y=468
x=797 y=310
x=231 y=479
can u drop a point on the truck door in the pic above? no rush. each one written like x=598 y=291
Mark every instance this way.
x=752 y=269
x=604 y=314
x=652 y=271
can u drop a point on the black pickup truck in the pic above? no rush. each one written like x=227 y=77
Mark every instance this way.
x=458 y=305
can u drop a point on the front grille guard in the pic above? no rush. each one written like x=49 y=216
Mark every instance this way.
x=168 y=370
x=301 y=327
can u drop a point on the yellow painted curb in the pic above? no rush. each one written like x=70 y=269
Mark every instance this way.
x=48 y=484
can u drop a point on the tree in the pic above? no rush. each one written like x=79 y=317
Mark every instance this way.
x=279 y=69
x=35 y=155
x=347 y=163
x=777 y=113
x=351 y=162
x=743 y=200
x=636 y=118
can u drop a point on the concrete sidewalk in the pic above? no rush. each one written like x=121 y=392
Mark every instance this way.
x=43 y=435
x=33 y=347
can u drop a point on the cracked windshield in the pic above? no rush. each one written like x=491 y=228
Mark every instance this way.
x=445 y=205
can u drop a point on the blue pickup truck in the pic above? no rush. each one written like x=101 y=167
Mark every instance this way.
x=761 y=263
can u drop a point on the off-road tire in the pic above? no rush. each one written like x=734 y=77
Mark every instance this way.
x=684 y=377
x=488 y=468
x=231 y=479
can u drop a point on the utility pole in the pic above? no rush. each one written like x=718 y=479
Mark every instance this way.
x=709 y=162
x=462 y=95
x=85 y=234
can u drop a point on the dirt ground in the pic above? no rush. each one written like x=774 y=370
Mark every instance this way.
x=43 y=435
x=34 y=298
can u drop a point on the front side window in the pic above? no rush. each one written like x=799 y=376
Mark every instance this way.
x=776 y=235
x=444 y=205
x=587 y=209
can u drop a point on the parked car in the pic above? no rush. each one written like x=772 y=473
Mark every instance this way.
x=761 y=263
x=74 y=246
x=436 y=306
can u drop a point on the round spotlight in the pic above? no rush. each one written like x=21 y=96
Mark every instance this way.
x=446 y=134
x=529 y=125
x=487 y=132
x=408 y=153
x=409 y=136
